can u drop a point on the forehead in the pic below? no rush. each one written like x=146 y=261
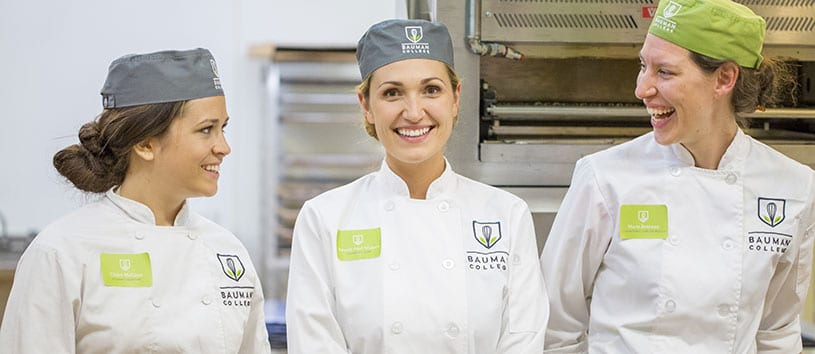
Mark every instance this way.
x=409 y=70
x=662 y=51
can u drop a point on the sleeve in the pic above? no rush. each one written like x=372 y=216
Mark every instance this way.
x=780 y=328
x=527 y=306
x=255 y=336
x=39 y=315
x=311 y=324
x=571 y=257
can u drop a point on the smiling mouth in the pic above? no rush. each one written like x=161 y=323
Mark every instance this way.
x=212 y=168
x=413 y=133
x=660 y=114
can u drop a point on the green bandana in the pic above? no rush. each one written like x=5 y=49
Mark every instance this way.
x=720 y=29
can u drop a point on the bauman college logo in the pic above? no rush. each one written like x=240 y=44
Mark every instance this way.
x=487 y=233
x=232 y=266
x=771 y=211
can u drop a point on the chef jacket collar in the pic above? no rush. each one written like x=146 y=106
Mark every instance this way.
x=394 y=183
x=731 y=160
x=142 y=213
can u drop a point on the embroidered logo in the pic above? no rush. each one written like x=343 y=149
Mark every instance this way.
x=216 y=81
x=487 y=233
x=414 y=34
x=671 y=10
x=232 y=266
x=771 y=211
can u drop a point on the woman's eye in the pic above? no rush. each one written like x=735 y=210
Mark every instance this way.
x=433 y=90
x=206 y=130
x=390 y=93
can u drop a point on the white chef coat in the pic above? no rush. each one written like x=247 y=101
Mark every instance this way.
x=721 y=281
x=433 y=288
x=59 y=302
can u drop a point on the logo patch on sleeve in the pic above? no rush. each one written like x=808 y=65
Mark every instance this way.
x=126 y=270
x=643 y=221
x=358 y=244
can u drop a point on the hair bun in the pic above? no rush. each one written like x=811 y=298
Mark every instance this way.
x=89 y=137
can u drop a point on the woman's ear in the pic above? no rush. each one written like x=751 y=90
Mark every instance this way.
x=726 y=77
x=145 y=149
x=366 y=111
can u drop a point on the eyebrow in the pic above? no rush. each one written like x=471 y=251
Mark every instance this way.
x=397 y=83
x=213 y=121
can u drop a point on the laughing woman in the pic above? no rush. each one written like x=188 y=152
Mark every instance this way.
x=137 y=271
x=693 y=238
x=413 y=258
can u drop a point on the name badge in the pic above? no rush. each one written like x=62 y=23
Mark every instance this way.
x=126 y=270
x=358 y=244
x=643 y=221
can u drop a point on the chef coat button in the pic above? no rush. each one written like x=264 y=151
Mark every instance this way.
x=444 y=206
x=452 y=330
x=389 y=206
x=192 y=236
x=724 y=310
x=396 y=328
x=139 y=237
x=516 y=259
x=731 y=178
x=448 y=264
x=676 y=171
x=155 y=302
x=674 y=240
x=670 y=306
x=727 y=245
x=206 y=300
x=394 y=266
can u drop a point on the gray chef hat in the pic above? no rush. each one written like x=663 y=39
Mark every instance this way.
x=160 y=77
x=394 y=40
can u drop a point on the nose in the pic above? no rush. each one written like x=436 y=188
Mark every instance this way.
x=413 y=110
x=645 y=88
x=221 y=147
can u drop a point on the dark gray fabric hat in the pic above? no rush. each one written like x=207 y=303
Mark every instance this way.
x=395 y=40
x=159 y=77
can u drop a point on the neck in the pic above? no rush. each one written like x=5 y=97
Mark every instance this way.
x=710 y=144
x=164 y=207
x=418 y=176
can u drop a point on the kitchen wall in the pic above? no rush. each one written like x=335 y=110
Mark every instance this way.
x=54 y=57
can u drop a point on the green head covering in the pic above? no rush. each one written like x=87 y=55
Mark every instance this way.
x=720 y=29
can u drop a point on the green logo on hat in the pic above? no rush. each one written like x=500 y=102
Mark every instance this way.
x=671 y=10
x=413 y=33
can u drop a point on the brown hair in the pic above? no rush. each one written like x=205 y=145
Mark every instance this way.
x=772 y=83
x=101 y=158
x=365 y=89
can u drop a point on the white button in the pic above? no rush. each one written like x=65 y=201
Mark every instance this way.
x=206 y=300
x=731 y=178
x=448 y=264
x=676 y=171
x=394 y=266
x=670 y=306
x=452 y=330
x=155 y=302
x=727 y=245
x=724 y=310
x=516 y=259
x=389 y=206
x=192 y=236
x=396 y=327
x=444 y=206
x=674 y=240
x=139 y=237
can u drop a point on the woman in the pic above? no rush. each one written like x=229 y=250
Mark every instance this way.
x=137 y=270
x=694 y=238
x=413 y=258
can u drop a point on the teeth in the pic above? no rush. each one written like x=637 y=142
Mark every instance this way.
x=657 y=112
x=413 y=132
x=212 y=168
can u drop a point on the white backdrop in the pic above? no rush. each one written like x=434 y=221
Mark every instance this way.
x=54 y=57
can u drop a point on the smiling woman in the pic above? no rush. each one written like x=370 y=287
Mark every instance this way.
x=137 y=270
x=413 y=258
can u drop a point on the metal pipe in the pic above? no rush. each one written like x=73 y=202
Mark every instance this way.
x=473 y=35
